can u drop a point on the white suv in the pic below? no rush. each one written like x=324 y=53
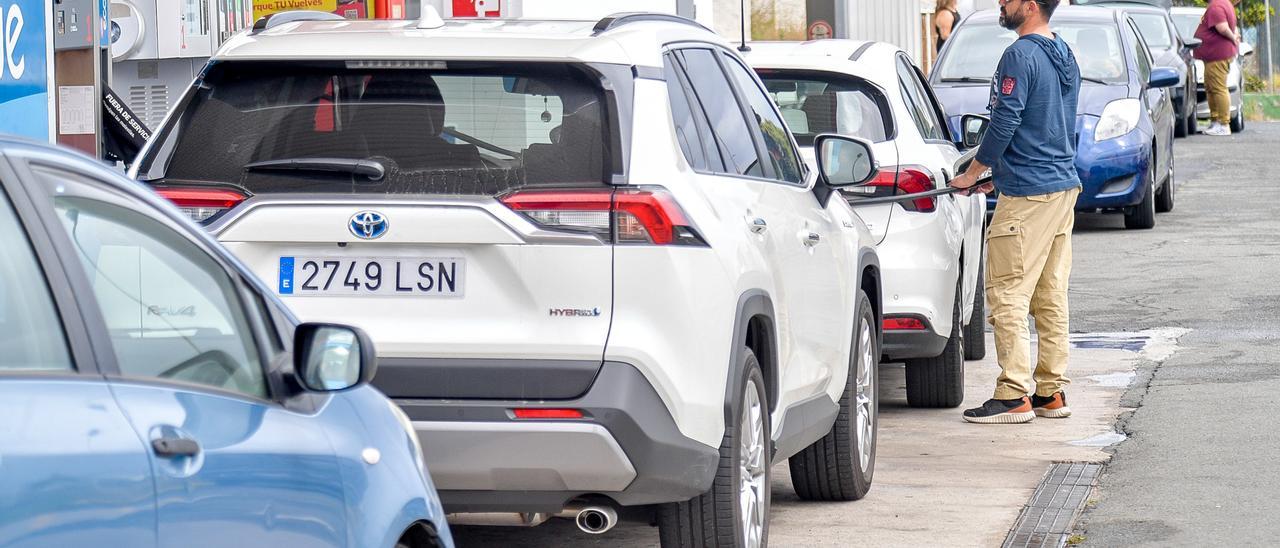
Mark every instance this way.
x=930 y=248
x=596 y=268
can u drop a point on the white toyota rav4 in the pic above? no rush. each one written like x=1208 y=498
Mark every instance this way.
x=597 y=270
x=930 y=248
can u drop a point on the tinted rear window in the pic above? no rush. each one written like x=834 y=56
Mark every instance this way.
x=436 y=129
x=820 y=102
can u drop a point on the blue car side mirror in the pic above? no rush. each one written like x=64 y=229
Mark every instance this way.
x=332 y=358
x=1163 y=77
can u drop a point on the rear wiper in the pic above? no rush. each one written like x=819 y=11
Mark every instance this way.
x=369 y=168
x=1094 y=81
x=967 y=80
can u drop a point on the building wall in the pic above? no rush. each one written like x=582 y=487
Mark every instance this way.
x=898 y=22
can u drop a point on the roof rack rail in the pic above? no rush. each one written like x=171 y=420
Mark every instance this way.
x=277 y=19
x=615 y=20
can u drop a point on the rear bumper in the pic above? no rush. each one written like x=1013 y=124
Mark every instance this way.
x=901 y=345
x=626 y=447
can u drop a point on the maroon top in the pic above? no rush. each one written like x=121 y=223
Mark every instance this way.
x=1215 y=46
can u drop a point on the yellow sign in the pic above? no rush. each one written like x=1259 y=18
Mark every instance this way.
x=267 y=7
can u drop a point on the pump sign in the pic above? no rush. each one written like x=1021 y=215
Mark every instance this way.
x=24 y=68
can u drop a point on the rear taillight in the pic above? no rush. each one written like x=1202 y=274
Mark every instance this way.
x=643 y=216
x=202 y=204
x=913 y=179
x=899 y=180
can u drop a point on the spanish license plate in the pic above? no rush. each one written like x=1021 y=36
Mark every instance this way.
x=373 y=276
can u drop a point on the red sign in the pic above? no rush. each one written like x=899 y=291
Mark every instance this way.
x=477 y=8
x=821 y=30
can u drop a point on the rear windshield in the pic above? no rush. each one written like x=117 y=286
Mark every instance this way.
x=815 y=102
x=428 y=127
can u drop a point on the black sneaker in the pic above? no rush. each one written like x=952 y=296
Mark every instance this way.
x=1051 y=407
x=1001 y=412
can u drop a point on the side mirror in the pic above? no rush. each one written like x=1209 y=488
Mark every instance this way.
x=1163 y=77
x=331 y=357
x=1191 y=43
x=1246 y=49
x=972 y=128
x=843 y=161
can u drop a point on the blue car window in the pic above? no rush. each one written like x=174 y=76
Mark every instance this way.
x=31 y=335
x=171 y=310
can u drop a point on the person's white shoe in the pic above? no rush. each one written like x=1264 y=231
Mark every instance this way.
x=1218 y=130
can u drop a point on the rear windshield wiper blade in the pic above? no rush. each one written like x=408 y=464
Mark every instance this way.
x=967 y=80
x=1094 y=81
x=372 y=169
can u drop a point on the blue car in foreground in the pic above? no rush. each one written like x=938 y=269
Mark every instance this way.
x=1125 y=121
x=153 y=393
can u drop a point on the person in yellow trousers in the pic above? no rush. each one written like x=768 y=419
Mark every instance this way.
x=1030 y=148
x=1219 y=44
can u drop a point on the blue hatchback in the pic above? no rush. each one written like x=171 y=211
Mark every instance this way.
x=1125 y=122
x=153 y=393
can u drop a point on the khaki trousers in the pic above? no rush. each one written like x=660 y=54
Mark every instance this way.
x=1028 y=266
x=1215 y=88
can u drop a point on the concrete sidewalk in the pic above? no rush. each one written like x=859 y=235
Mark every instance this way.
x=939 y=481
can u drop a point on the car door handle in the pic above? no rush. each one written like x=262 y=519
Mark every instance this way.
x=175 y=447
x=812 y=239
x=757 y=225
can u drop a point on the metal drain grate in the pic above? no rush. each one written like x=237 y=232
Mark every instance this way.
x=1047 y=519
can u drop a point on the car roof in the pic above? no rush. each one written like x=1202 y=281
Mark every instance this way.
x=872 y=61
x=1070 y=13
x=637 y=42
x=1186 y=10
x=1132 y=7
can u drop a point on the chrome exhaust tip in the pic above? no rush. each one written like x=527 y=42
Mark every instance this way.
x=596 y=520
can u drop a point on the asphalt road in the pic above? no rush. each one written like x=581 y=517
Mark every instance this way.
x=1200 y=465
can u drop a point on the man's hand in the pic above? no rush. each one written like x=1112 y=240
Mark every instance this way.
x=968 y=183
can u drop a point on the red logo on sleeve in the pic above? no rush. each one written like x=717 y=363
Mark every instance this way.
x=1006 y=86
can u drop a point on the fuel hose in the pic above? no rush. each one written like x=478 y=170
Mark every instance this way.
x=962 y=163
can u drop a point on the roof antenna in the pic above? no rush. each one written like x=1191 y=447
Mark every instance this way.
x=742 y=25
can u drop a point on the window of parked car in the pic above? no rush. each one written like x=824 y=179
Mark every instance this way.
x=31 y=334
x=435 y=127
x=777 y=144
x=978 y=48
x=1187 y=23
x=1140 y=53
x=1154 y=29
x=918 y=103
x=716 y=99
x=688 y=133
x=171 y=310
x=814 y=102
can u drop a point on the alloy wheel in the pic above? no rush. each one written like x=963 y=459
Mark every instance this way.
x=865 y=390
x=753 y=463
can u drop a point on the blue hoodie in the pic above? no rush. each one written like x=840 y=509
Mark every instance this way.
x=1031 y=142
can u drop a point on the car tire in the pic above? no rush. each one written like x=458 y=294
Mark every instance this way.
x=975 y=340
x=1143 y=215
x=840 y=466
x=1237 y=121
x=1164 y=198
x=939 y=381
x=716 y=518
x=1180 y=126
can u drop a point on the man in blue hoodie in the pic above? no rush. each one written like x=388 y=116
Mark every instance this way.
x=1030 y=149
